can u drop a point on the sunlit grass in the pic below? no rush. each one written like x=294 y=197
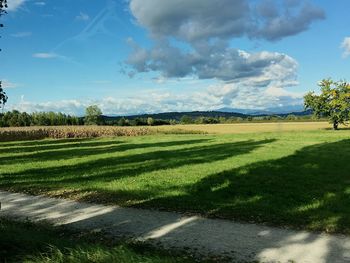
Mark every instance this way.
x=299 y=179
x=249 y=127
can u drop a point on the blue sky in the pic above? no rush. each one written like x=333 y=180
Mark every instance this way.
x=135 y=56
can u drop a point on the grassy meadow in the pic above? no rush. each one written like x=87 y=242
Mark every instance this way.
x=248 y=127
x=294 y=176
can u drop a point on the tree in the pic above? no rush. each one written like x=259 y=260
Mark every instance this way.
x=3 y=96
x=333 y=102
x=186 y=119
x=93 y=115
x=150 y=121
x=123 y=122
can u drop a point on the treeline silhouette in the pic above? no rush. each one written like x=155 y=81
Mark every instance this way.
x=22 y=119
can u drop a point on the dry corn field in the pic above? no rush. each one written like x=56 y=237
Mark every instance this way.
x=57 y=132
x=248 y=127
x=37 y=133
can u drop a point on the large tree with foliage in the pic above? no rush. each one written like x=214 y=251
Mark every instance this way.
x=333 y=102
x=3 y=96
x=93 y=115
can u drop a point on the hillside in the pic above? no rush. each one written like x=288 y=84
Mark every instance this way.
x=195 y=114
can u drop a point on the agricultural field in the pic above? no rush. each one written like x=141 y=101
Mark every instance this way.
x=59 y=132
x=297 y=176
x=248 y=127
x=63 y=132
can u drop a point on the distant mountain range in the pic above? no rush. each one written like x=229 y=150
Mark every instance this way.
x=223 y=112
x=269 y=111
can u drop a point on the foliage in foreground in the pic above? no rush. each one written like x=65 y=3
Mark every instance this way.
x=333 y=102
x=26 y=242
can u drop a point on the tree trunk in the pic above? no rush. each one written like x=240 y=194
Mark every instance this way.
x=335 y=125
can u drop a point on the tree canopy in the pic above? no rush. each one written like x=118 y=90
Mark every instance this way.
x=333 y=102
x=93 y=115
x=3 y=97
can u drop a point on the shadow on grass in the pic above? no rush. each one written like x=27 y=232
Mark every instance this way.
x=310 y=188
x=73 y=150
x=28 y=242
x=346 y=128
x=60 y=145
x=44 y=142
x=104 y=170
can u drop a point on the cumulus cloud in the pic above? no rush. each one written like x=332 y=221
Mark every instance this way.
x=346 y=47
x=66 y=106
x=221 y=95
x=218 y=61
x=194 y=20
x=274 y=23
x=206 y=27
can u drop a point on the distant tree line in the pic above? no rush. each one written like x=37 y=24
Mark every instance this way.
x=124 y=121
x=227 y=120
x=21 y=119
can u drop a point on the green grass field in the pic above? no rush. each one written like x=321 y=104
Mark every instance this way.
x=25 y=242
x=299 y=179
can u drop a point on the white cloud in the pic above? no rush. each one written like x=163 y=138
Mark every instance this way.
x=218 y=96
x=66 y=106
x=82 y=17
x=9 y=85
x=207 y=28
x=47 y=55
x=215 y=61
x=194 y=20
x=346 y=47
x=13 y=5
x=22 y=34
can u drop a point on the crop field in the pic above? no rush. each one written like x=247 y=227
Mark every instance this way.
x=59 y=132
x=298 y=178
x=63 y=132
x=249 y=127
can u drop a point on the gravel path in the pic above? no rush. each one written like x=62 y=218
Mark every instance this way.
x=200 y=236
